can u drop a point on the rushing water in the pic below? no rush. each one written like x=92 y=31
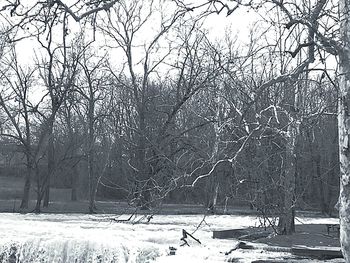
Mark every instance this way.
x=84 y=238
x=63 y=250
x=73 y=238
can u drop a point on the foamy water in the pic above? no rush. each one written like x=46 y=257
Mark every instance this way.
x=85 y=238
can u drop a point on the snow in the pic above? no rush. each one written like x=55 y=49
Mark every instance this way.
x=86 y=238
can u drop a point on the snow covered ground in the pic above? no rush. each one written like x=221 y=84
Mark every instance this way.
x=87 y=238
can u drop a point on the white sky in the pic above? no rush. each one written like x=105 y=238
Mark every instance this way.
x=239 y=23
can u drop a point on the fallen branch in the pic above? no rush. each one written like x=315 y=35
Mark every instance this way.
x=123 y=220
x=233 y=249
x=185 y=234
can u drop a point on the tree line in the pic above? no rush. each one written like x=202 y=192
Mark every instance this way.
x=134 y=100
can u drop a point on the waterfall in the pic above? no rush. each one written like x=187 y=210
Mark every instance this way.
x=60 y=250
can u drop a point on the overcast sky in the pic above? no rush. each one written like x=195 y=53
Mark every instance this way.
x=238 y=23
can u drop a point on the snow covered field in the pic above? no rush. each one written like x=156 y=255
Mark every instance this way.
x=87 y=238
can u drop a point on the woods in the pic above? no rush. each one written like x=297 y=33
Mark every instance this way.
x=136 y=101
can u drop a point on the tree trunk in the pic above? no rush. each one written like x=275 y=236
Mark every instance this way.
x=213 y=198
x=39 y=192
x=214 y=179
x=286 y=220
x=27 y=185
x=321 y=186
x=317 y=175
x=344 y=129
x=37 y=208
x=50 y=162
x=144 y=187
x=92 y=183
x=29 y=163
x=75 y=183
x=50 y=169
x=91 y=156
x=73 y=153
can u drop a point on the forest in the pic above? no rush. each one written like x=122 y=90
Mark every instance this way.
x=141 y=102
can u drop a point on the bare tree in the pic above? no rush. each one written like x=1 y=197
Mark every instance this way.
x=92 y=88
x=315 y=37
x=16 y=104
x=58 y=69
x=344 y=128
x=123 y=26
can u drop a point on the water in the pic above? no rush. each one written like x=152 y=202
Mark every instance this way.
x=74 y=238
x=74 y=250
x=85 y=238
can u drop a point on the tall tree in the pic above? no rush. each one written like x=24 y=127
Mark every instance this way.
x=92 y=88
x=344 y=127
x=123 y=26
x=58 y=70
x=16 y=104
